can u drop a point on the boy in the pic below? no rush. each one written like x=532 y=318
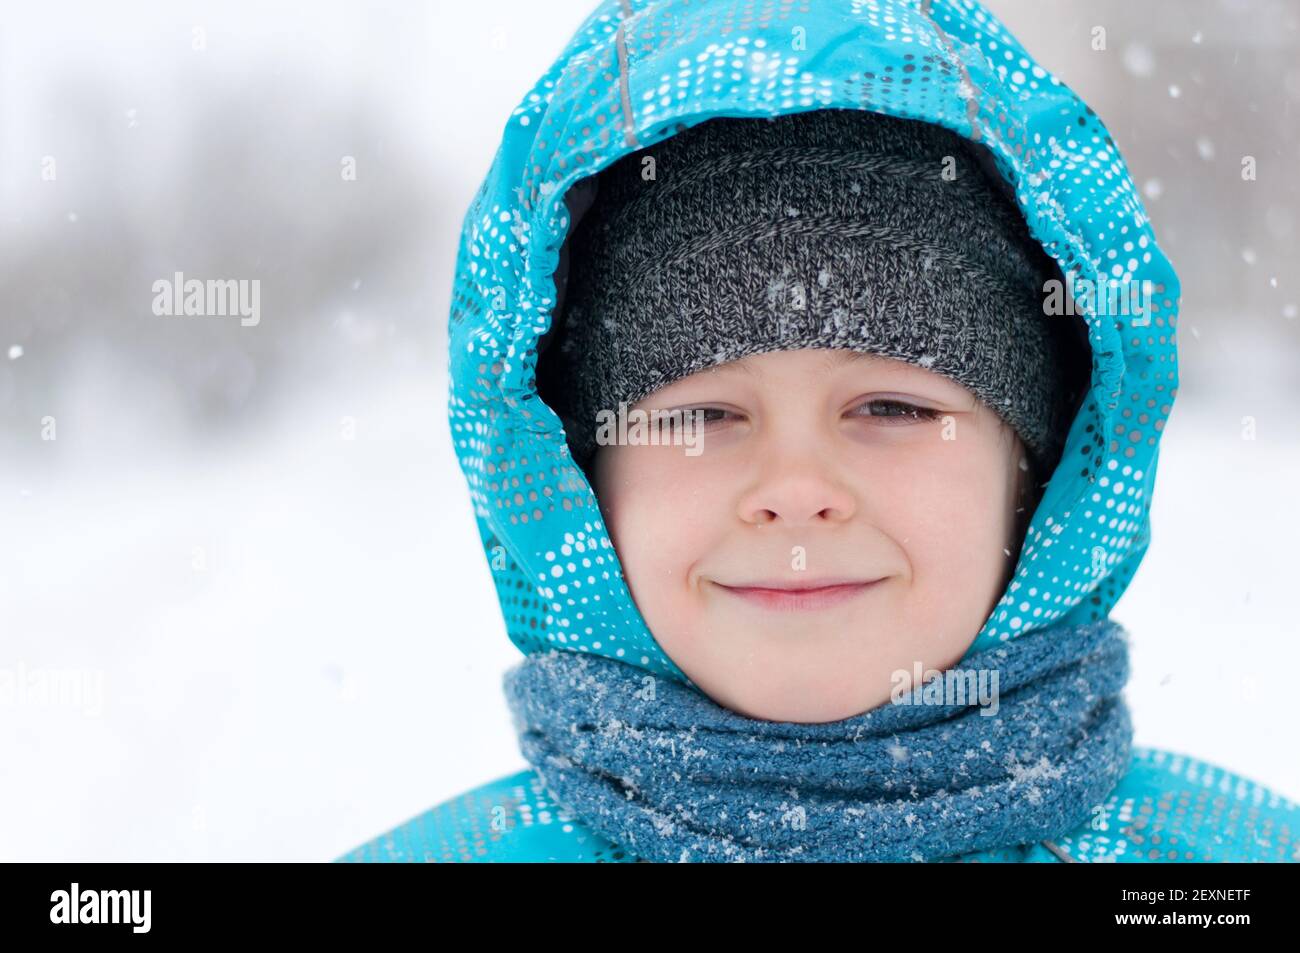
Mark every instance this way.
x=870 y=621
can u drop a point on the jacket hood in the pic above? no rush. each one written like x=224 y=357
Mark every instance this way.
x=639 y=71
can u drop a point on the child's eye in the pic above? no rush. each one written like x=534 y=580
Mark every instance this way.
x=707 y=415
x=897 y=410
x=892 y=410
x=710 y=412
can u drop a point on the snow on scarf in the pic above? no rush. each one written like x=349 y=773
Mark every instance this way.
x=659 y=768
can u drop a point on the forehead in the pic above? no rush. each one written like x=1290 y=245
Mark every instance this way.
x=819 y=360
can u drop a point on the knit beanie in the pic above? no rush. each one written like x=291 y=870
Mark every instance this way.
x=830 y=228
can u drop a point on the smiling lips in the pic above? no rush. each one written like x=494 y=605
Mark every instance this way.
x=789 y=598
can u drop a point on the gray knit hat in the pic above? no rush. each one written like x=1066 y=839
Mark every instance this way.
x=831 y=228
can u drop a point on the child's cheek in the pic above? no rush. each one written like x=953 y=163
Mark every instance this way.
x=662 y=509
x=956 y=524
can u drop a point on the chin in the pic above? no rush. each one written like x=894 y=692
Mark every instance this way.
x=790 y=703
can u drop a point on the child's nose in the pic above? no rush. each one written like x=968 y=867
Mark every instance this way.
x=796 y=492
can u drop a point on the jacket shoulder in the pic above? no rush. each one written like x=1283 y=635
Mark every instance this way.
x=1169 y=807
x=1174 y=808
x=509 y=820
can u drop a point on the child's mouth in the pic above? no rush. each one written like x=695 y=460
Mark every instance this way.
x=783 y=599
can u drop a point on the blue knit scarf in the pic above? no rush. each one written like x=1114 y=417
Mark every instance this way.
x=658 y=768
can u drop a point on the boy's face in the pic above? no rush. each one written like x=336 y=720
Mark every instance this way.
x=810 y=474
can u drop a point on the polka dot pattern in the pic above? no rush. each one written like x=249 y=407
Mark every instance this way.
x=639 y=71
x=511 y=820
x=1175 y=808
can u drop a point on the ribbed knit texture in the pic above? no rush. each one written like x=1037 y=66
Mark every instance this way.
x=827 y=228
x=656 y=766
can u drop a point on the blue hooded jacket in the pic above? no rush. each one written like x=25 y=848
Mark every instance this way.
x=639 y=71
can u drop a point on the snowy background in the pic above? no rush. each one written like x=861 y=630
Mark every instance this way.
x=290 y=641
